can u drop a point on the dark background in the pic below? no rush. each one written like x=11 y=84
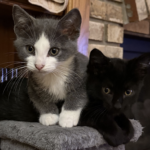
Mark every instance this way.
x=135 y=46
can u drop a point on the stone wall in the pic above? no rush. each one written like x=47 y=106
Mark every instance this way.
x=106 y=27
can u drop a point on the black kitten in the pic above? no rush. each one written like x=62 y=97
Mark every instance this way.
x=112 y=87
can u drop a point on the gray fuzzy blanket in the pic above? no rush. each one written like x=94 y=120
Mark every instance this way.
x=32 y=136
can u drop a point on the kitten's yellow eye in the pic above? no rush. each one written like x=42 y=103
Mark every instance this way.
x=30 y=48
x=128 y=92
x=106 y=90
x=53 y=51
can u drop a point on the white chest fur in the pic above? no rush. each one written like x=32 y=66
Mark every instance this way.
x=55 y=82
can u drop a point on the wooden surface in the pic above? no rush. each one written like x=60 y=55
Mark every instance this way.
x=132 y=8
x=142 y=27
x=84 y=8
x=138 y=29
x=136 y=34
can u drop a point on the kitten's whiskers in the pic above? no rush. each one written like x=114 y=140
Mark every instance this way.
x=14 y=84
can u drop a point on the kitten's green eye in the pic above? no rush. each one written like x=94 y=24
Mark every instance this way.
x=128 y=92
x=30 y=48
x=106 y=90
x=53 y=51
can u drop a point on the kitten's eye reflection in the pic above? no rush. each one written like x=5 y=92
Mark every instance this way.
x=30 y=48
x=128 y=92
x=53 y=51
x=106 y=90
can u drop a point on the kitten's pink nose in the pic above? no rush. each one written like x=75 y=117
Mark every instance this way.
x=39 y=67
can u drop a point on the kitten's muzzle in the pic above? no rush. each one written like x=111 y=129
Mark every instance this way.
x=118 y=103
x=39 y=67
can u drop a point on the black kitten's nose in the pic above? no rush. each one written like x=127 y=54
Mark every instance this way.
x=117 y=105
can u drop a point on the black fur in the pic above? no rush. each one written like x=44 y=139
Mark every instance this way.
x=105 y=112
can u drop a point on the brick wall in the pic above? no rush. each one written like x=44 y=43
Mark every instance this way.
x=106 y=27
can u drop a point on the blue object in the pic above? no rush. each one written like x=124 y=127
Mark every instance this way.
x=135 y=46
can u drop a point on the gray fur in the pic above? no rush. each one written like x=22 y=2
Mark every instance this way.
x=63 y=34
x=27 y=136
x=76 y=97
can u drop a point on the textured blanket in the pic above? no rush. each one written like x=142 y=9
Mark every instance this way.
x=32 y=136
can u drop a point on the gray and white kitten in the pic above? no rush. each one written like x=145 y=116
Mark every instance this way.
x=57 y=69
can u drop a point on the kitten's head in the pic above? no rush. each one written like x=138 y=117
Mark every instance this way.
x=46 y=43
x=114 y=81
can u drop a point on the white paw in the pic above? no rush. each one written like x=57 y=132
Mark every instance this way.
x=69 y=119
x=48 y=119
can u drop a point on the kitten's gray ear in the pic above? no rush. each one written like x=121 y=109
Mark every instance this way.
x=22 y=20
x=97 y=62
x=70 y=24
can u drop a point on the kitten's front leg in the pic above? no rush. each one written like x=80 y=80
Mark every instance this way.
x=48 y=119
x=48 y=113
x=48 y=110
x=126 y=126
x=69 y=118
x=72 y=108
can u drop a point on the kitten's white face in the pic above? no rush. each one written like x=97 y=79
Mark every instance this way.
x=40 y=61
x=46 y=44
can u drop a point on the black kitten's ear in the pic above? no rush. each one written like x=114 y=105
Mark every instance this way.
x=97 y=62
x=140 y=65
x=70 y=24
x=96 y=56
x=22 y=20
